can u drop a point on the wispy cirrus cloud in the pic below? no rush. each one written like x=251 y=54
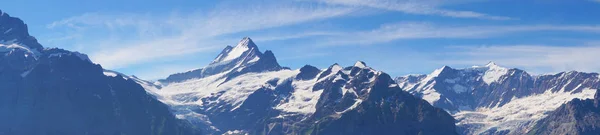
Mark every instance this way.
x=124 y=40
x=176 y=35
x=295 y=35
x=419 y=7
x=424 y=30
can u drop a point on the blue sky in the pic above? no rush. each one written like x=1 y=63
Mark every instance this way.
x=152 y=39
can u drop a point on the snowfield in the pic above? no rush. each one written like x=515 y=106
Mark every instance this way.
x=520 y=112
x=234 y=91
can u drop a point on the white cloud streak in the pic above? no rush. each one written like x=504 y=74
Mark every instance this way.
x=226 y=22
x=125 y=40
x=415 y=30
x=419 y=7
x=174 y=35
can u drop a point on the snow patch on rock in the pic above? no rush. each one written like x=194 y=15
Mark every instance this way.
x=110 y=74
x=8 y=46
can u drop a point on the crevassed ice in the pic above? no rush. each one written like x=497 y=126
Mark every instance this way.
x=519 y=111
x=303 y=100
x=235 y=90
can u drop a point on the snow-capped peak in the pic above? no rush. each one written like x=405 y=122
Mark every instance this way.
x=491 y=64
x=244 y=57
x=493 y=73
x=246 y=42
x=438 y=71
x=231 y=53
x=335 y=68
x=360 y=64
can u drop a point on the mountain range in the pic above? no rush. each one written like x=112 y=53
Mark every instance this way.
x=492 y=99
x=51 y=91
x=246 y=91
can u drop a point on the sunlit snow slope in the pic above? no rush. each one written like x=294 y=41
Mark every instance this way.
x=492 y=99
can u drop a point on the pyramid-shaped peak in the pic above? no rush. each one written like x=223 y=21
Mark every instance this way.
x=445 y=68
x=246 y=42
x=244 y=47
x=360 y=64
x=439 y=71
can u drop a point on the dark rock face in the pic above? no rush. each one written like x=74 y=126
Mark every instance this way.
x=54 y=91
x=372 y=104
x=13 y=30
x=308 y=72
x=384 y=110
x=244 y=58
x=577 y=117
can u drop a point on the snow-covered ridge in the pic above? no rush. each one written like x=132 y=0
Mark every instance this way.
x=245 y=89
x=221 y=92
x=304 y=98
x=423 y=85
x=81 y=56
x=8 y=46
x=520 y=113
x=150 y=87
x=302 y=101
x=493 y=99
x=235 y=90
